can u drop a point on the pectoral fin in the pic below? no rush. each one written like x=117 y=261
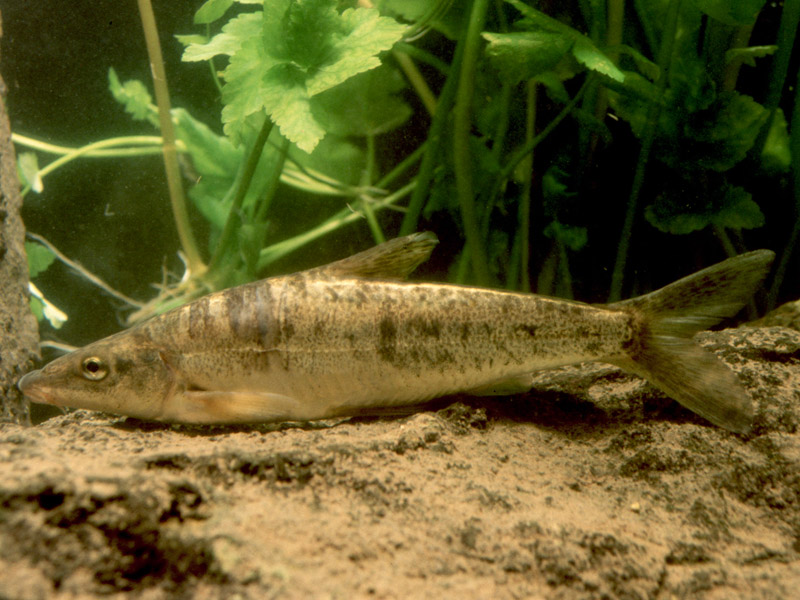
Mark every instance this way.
x=216 y=407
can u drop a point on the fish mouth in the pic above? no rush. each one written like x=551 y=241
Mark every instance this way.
x=35 y=393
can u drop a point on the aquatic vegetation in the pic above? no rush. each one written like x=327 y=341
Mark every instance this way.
x=524 y=133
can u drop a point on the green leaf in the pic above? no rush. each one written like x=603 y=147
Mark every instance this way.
x=739 y=210
x=538 y=19
x=369 y=34
x=631 y=101
x=721 y=135
x=366 y=104
x=245 y=87
x=732 y=207
x=524 y=55
x=192 y=38
x=574 y=238
x=28 y=170
x=445 y=16
x=213 y=191
x=583 y=48
x=251 y=237
x=555 y=185
x=133 y=95
x=554 y=86
x=749 y=55
x=588 y=55
x=304 y=49
x=211 y=11
x=234 y=33
x=212 y=155
x=37 y=308
x=732 y=12
x=39 y=258
x=335 y=156
x=776 y=156
x=287 y=101
x=646 y=66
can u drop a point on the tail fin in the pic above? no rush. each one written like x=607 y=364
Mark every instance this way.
x=664 y=353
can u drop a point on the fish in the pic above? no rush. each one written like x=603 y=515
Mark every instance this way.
x=355 y=336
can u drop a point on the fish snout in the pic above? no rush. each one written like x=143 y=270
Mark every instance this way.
x=27 y=385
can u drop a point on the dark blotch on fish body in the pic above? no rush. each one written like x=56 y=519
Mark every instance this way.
x=387 y=340
x=427 y=327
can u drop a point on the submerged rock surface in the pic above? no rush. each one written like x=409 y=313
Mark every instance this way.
x=593 y=485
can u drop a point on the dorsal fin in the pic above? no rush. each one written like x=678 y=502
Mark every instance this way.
x=395 y=259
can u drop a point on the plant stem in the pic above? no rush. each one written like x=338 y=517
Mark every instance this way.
x=462 y=157
x=741 y=38
x=524 y=230
x=95 y=149
x=280 y=249
x=423 y=57
x=242 y=184
x=177 y=197
x=416 y=80
x=790 y=17
x=212 y=66
x=648 y=137
x=433 y=144
x=272 y=185
x=400 y=168
x=794 y=149
x=529 y=146
x=366 y=200
x=83 y=272
x=725 y=240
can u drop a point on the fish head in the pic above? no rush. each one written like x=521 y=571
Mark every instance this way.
x=120 y=374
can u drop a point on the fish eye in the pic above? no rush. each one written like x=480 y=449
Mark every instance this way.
x=94 y=368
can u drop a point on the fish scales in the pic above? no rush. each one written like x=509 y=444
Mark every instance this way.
x=352 y=336
x=312 y=337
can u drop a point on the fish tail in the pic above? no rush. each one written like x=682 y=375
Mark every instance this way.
x=663 y=352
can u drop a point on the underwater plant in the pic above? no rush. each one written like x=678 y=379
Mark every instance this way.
x=549 y=145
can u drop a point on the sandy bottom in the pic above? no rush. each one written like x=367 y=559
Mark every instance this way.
x=591 y=486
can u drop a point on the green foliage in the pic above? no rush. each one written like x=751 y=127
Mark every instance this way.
x=749 y=55
x=134 y=96
x=211 y=11
x=366 y=104
x=39 y=258
x=572 y=237
x=28 y=171
x=583 y=48
x=776 y=157
x=727 y=206
x=524 y=55
x=281 y=59
x=562 y=123
x=702 y=128
x=732 y=12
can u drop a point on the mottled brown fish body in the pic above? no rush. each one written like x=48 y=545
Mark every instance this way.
x=352 y=336
x=338 y=345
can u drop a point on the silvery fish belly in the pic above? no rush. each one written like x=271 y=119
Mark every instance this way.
x=351 y=336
